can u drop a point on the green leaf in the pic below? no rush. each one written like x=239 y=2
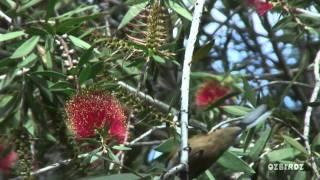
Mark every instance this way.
x=282 y=154
x=126 y=176
x=61 y=85
x=28 y=5
x=49 y=48
x=50 y=137
x=248 y=139
x=294 y=143
x=79 y=43
x=43 y=87
x=236 y=110
x=28 y=61
x=50 y=8
x=113 y=156
x=284 y=22
x=11 y=35
x=260 y=144
x=209 y=175
x=76 y=11
x=72 y=23
x=95 y=155
x=51 y=74
x=95 y=69
x=121 y=148
x=175 y=6
x=86 y=56
x=132 y=12
x=30 y=127
x=133 y=2
x=85 y=74
x=206 y=75
x=10 y=106
x=249 y=93
x=159 y=59
x=9 y=3
x=233 y=162
x=168 y=146
x=316 y=141
x=25 y=48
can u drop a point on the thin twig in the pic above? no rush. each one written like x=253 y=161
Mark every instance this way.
x=145 y=135
x=53 y=166
x=6 y=17
x=224 y=122
x=185 y=83
x=307 y=117
x=285 y=82
x=289 y=126
x=162 y=106
x=140 y=84
x=147 y=143
x=172 y=171
x=165 y=108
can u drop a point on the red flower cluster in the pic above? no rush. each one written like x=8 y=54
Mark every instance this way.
x=7 y=161
x=210 y=92
x=91 y=110
x=261 y=6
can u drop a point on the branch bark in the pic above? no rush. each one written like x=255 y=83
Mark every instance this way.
x=184 y=119
x=307 y=117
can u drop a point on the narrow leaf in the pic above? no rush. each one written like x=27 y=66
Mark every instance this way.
x=281 y=154
x=25 y=48
x=168 y=145
x=121 y=148
x=232 y=162
x=236 y=110
x=85 y=74
x=174 y=5
x=249 y=93
x=11 y=35
x=79 y=43
x=260 y=144
x=127 y=176
x=159 y=59
x=294 y=143
x=132 y=12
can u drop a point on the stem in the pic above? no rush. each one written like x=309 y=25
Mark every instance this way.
x=307 y=117
x=186 y=83
x=6 y=17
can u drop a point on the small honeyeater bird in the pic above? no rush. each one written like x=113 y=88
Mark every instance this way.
x=206 y=149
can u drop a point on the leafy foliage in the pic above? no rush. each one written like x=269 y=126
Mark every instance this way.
x=52 y=50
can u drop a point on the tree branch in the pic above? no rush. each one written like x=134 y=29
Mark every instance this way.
x=184 y=119
x=6 y=17
x=307 y=117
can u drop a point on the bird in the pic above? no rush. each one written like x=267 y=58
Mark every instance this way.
x=205 y=149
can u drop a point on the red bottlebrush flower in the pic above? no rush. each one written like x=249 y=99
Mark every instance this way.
x=92 y=110
x=7 y=161
x=210 y=92
x=261 y=6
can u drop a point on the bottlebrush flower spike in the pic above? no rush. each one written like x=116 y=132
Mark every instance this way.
x=209 y=93
x=92 y=110
x=7 y=161
x=261 y=6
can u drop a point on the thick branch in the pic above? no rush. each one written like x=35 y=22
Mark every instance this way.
x=308 y=114
x=184 y=119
